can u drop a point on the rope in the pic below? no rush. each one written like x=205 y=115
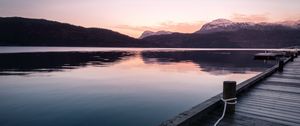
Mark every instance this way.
x=230 y=101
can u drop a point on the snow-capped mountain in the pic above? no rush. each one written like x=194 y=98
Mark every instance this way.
x=222 y=33
x=151 y=33
x=221 y=25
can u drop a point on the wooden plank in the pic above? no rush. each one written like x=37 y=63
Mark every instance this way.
x=291 y=72
x=285 y=80
x=274 y=105
x=252 y=81
x=288 y=76
x=291 y=69
x=280 y=84
x=273 y=97
x=256 y=108
x=274 y=120
x=272 y=93
x=277 y=116
x=280 y=88
x=271 y=103
x=282 y=91
x=273 y=100
x=236 y=120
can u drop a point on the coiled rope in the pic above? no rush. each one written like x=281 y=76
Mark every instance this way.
x=230 y=101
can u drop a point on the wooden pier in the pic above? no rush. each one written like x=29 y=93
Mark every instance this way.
x=271 y=98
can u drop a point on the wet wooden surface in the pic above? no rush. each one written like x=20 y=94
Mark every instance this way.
x=274 y=101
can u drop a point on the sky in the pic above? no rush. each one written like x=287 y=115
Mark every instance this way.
x=132 y=17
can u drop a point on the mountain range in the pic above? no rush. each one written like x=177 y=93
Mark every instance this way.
x=221 y=25
x=16 y=31
x=220 y=33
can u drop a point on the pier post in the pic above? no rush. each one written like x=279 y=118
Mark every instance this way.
x=229 y=91
x=292 y=57
x=281 y=64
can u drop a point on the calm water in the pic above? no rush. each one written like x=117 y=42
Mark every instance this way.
x=112 y=87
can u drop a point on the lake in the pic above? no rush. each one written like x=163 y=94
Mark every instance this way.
x=60 y=86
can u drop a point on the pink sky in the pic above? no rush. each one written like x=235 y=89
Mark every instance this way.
x=132 y=17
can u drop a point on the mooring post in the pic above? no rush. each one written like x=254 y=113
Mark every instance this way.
x=292 y=57
x=229 y=91
x=281 y=64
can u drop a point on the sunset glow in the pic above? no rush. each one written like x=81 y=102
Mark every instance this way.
x=135 y=16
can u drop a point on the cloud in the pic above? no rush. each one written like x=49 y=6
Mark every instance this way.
x=181 y=27
x=185 y=27
x=135 y=28
x=250 y=18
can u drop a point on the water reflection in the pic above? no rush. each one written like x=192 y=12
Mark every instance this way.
x=215 y=62
x=25 y=63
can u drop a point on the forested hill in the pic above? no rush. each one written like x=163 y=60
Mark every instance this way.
x=18 y=31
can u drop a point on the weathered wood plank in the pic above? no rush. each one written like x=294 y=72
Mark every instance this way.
x=282 y=101
x=287 y=76
x=280 y=88
x=280 y=84
x=285 y=80
x=273 y=115
x=291 y=72
x=274 y=120
x=273 y=105
x=278 y=112
x=236 y=120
